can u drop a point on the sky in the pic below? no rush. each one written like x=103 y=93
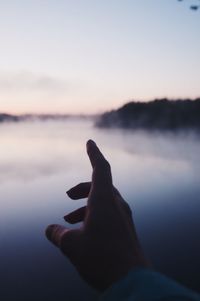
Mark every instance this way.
x=89 y=56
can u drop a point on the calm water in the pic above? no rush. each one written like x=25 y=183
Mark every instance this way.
x=158 y=174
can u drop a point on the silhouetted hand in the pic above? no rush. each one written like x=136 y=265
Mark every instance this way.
x=106 y=247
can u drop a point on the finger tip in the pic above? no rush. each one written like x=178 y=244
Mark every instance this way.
x=65 y=218
x=71 y=194
x=54 y=233
x=49 y=231
x=68 y=192
x=90 y=143
x=69 y=219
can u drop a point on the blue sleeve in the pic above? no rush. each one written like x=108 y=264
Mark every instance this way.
x=147 y=285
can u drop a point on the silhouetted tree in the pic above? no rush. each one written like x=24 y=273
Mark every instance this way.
x=162 y=114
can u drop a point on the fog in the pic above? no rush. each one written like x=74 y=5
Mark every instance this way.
x=157 y=173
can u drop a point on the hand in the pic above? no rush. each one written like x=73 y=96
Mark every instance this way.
x=106 y=247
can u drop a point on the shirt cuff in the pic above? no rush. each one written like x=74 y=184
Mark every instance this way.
x=142 y=284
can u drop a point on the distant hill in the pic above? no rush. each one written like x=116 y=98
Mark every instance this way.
x=160 y=114
x=8 y=117
x=39 y=117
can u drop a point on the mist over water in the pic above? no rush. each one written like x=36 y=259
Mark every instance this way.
x=157 y=173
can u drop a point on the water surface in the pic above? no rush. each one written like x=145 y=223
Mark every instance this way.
x=157 y=173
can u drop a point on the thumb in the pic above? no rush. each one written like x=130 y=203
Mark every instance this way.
x=68 y=241
x=54 y=233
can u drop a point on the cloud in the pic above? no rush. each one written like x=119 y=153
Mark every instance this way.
x=31 y=82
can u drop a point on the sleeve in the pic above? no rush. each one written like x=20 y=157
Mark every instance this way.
x=143 y=284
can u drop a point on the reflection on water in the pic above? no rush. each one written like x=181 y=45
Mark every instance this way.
x=157 y=173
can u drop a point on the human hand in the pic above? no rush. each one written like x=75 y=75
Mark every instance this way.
x=106 y=246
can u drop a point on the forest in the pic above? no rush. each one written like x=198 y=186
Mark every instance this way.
x=159 y=114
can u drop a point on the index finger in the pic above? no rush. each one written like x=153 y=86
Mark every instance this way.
x=101 y=177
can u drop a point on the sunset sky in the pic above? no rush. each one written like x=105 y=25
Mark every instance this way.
x=87 y=56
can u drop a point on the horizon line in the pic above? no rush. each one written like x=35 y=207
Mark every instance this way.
x=79 y=114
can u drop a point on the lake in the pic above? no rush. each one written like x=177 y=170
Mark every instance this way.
x=157 y=173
